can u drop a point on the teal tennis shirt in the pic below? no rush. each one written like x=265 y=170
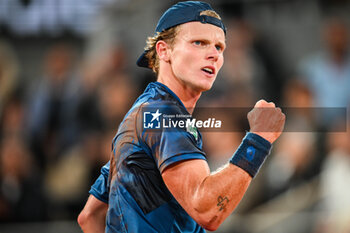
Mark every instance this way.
x=138 y=199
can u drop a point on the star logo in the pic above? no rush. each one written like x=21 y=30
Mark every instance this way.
x=151 y=119
x=156 y=115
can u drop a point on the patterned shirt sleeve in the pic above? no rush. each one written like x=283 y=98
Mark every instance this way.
x=100 y=189
x=172 y=144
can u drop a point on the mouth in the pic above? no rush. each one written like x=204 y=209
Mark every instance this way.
x=209 y=70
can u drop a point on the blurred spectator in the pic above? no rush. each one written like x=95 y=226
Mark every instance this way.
x=105 y=94
x=327 y=72
x=118 y=23
x=106 y=91
x=67 y=181
x=52 y=105
x=115 y=97
x=12 y=121
x=334 y=189
x=9 y=71
x=292 y=163
x=115 y=91
x=21 y=194
x=295 y=158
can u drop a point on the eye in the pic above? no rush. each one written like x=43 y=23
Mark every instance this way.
x=197 y=42
x=218 y=47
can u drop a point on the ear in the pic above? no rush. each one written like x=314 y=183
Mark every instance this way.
x=162 y=49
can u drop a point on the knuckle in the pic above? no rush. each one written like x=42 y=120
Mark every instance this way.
x=260 y=102
x=249 y=115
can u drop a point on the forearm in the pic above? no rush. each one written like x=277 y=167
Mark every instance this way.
x=229 y=185
x=207 y=198
x=93 y=217
x=219 y=194
x=94 y=224
x=210 y=198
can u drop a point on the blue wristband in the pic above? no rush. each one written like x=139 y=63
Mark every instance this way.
x=251 y=154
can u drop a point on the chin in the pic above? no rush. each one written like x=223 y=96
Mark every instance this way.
x=204 y=87
x=207 y=86
x=207 y=89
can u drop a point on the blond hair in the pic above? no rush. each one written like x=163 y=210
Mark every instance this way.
x=168 y=36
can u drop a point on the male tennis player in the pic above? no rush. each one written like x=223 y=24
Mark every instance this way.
x=159 y=179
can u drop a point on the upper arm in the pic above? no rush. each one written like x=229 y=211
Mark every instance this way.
x=183 y=179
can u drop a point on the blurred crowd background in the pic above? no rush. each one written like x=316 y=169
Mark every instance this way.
x=68 y=76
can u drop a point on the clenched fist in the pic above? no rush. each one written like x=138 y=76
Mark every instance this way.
x=266 y=120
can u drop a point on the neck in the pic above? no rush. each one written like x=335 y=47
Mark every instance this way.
x=186 y=94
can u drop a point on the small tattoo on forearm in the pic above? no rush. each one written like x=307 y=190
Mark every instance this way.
x=222 y=201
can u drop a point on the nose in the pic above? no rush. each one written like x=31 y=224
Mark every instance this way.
x=213 y=53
